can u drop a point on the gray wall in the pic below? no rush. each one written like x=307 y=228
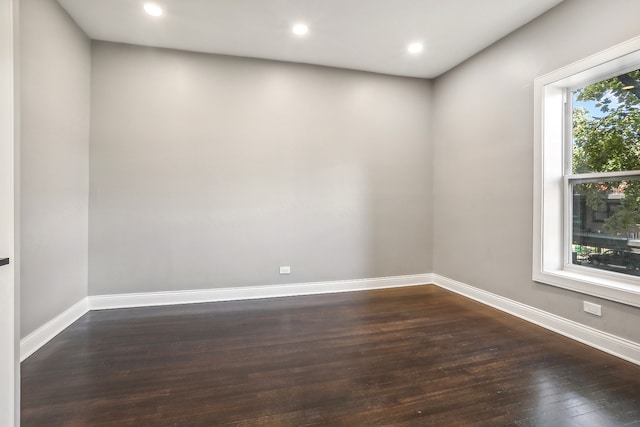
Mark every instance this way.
x=483 y=133
x=211 y=171
x=55 y=101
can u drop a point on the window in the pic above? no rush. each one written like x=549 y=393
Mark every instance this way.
x=587 y=176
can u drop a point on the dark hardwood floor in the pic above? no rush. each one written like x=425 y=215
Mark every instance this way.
x=403 y=357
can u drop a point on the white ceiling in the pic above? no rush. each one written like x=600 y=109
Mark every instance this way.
x=370 y=35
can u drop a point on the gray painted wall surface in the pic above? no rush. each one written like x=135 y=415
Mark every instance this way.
x=483 y=151
x=55 y=100
x=211 y=171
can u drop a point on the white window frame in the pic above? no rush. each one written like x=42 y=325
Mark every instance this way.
x=552 y=177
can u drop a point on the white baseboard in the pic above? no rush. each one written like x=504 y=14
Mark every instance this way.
x=45 y=333
x=106 y=302
x=620 y=347
x=35 y=340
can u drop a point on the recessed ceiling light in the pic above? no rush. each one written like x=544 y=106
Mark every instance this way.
x=300 y=29
x=415 y=48
x=152 y=9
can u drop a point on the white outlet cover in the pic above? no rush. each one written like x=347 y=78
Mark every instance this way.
x=592 y=308
x=285 y=270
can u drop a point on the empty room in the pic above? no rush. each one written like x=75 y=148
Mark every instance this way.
x=320 y=213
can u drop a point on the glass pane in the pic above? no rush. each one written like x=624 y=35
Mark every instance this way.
x=606 y=125
x=606 y=225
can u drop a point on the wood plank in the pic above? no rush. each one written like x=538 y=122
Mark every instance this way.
x=406 y=356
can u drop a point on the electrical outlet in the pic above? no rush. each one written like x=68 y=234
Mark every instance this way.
x=592 y=308
x=285 y=270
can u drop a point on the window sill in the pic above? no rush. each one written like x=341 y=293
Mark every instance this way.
x=597 y=284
